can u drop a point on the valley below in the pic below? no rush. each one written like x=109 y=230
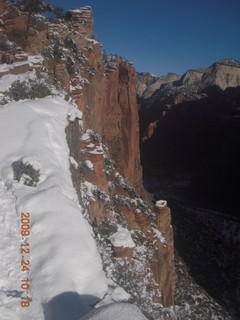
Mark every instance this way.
x=207 y=246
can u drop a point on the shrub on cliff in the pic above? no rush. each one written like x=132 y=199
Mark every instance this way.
x=18 y=91
x=35 y=6
x=59 y=12
x=18 y=37
x=5 y=44
x=38 y=23
x=31 y=89
x=85 y=168
x=27 y=174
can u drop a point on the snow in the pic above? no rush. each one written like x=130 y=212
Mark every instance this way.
x=93 y=41
x=89 y=164
x=32 y=161
x=97 y=149
x=159 y=235
x=63 y=254
x=116 y=311
x=74 y=113
x=73 y=162
x=9 y=256
x=35 y=59
x=88 y=189
x=85 y=136
x=76 y=10
x=7 y=80
x=115 y=294
x=122 y=238
x=6 y=67
x=161 y=203
x=32 y=60
x=90 y=145
x=77 y=87
x=153 y=75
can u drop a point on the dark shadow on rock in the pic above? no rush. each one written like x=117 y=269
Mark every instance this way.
x=15 y=166
x=68 y=306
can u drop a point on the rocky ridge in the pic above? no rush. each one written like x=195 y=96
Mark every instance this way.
x=105 y=159
x=223 y=73
x=162 y=93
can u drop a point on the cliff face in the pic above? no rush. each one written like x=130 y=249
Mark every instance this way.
x=110 y=109
x=145 y=270
x=104 y=145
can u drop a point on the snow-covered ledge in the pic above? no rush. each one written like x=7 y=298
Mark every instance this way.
x=123 y=244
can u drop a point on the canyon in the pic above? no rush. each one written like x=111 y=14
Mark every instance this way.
x=195 y=121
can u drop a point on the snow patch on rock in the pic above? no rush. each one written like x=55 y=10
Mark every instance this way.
x=122 y=238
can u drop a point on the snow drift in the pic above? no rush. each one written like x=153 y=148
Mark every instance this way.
x=63 y=254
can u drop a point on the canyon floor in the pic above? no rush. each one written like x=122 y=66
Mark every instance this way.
x=207 y=246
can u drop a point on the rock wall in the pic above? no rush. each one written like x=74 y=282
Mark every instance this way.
x=110 y=108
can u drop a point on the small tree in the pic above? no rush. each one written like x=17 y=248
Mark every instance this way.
x=35 y=6
x=59 y=12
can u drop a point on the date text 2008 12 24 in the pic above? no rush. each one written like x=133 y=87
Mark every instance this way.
x=25 y=262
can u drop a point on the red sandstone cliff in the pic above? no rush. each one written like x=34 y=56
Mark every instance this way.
x=109 y=107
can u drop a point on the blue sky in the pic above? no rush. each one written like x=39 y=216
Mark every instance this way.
x=166 y=36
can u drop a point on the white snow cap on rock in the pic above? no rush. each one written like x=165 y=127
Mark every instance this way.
x=74 y=113
x=122 y=238
x=89 y=164
x=161 y=203
x=32 y=161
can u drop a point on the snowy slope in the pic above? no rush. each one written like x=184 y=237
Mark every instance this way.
x=63 y=254
x=116 y=311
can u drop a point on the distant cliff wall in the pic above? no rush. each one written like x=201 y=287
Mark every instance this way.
x=193 y=123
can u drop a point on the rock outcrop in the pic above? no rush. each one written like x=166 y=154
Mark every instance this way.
x=83 y=20
x=104 y=145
